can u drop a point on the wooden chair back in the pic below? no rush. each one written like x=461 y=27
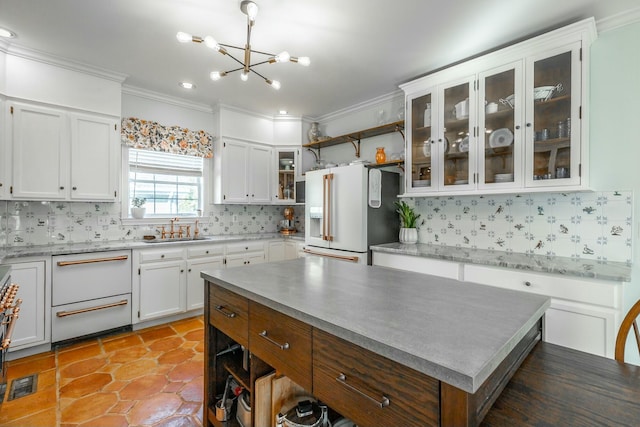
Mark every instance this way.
x=630 y=320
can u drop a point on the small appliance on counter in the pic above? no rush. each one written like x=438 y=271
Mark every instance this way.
x=287 y=224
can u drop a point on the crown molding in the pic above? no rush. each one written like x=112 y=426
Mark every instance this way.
x=397 y=94
x=613 y=22
x=244 y=111
x=160 y=97
x=46 y=58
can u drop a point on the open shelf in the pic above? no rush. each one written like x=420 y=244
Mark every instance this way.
x=358 y=135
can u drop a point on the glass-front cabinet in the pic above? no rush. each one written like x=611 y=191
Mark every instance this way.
x=553 y=82
x=287 y=162
x=513 y=119
x=440 y=123
x=501 y=138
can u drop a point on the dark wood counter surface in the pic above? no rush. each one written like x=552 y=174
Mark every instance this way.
x=558 y=386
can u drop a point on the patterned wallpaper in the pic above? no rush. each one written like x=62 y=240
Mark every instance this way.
x=591 y=225
x=43 y=223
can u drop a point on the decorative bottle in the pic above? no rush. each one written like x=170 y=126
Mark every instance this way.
x=314 y=132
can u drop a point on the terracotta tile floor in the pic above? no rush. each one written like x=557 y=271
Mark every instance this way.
x=151 y=377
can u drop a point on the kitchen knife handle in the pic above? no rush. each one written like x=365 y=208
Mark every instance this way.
x=342 y=379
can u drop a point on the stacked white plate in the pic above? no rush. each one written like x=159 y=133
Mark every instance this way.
x=503 y=177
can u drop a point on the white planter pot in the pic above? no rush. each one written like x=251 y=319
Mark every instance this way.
x=408 y=235
x=138 y=213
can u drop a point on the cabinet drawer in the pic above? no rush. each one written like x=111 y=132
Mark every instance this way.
x=204 y=250
x=282 y=342
x=589 y=291
x=229 y=312
x=243 y=247
x=356 y=382
x=88 y=317
x=161 y=254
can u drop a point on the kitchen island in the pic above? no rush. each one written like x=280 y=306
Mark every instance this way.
x=433 y=351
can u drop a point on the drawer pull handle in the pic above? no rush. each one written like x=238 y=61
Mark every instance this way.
x=86 y=310
x=342 y=379
x=284 y=346
x=91 y=261
x=229 y=314
x=346 y=258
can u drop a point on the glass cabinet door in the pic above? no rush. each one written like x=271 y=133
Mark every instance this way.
x=286 y=167
x=501 y=138
x=553 y=89
x=455 y=136
x=423 y=169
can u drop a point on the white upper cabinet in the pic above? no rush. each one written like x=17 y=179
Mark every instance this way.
x=242 y=172
x=57 y=155
x=5 y=163
x=94 y=157
x=511 y=120
x=39 y=151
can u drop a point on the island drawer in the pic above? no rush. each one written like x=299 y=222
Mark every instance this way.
x=371 y=389
x=229 y=312
x=282 y=342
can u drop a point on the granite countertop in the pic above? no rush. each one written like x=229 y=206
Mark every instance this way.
x=113 y=245
x=453 y=331
x=613 y=271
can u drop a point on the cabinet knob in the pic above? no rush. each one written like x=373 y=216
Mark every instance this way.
x=182 y=271
x=162 y=256
x=528 y=125
x=206 y=252
x=61 y=187
x=527 y=283
x=189 y=270
x=517 y=127
x=74 y=188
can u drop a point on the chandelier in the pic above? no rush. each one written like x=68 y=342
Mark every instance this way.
x=250 y=9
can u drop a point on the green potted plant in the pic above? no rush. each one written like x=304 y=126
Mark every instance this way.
x=408 y=218
x=138 y=210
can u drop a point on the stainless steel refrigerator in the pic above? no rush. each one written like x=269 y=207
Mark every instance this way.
x=349 y=208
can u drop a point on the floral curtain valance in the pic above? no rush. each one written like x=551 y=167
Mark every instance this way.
x=145 y=134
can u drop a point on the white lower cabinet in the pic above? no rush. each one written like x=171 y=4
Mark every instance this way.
x=281 y=250
x=168 y=279
x=201 y=258
x=162 y=289
x=435 y=267
x=584 y=314
x=32 y=327
x=245 y=253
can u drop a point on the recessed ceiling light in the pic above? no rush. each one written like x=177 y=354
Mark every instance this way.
x=187 y=85
x=283 y=112
x=7 y=33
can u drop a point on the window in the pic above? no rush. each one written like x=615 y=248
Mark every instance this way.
x=170 y=183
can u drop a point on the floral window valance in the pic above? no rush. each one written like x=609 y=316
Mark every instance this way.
x=145 y=134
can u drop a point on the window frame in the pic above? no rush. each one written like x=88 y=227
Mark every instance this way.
x=125 y=202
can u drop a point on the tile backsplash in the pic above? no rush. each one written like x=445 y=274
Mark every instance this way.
x=590 y=225
x=45 y=223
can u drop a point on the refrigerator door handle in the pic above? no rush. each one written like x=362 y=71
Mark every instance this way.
x=327 y=207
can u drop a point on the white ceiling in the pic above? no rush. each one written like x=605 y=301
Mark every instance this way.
x=359 y=49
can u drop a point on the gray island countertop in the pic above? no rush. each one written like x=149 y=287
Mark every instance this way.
x=453 y=331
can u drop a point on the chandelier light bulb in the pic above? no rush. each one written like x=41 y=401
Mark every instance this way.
x=244 y=76
x=217 y=75
x=211 y=43
x=274 y=83
x=184 y=37
x=283 y=56
x=304 y=60
x=252 y=10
